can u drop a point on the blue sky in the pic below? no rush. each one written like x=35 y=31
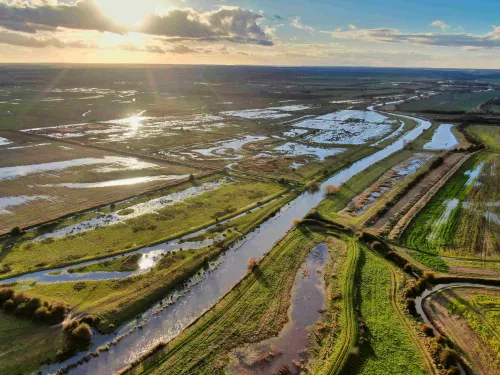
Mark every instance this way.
x=424 y=33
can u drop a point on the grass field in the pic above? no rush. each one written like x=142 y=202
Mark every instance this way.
x=388 y=347
x=168 y=222
x=330 y=207
x=121 y=264
x=119 y=300
x=253 y=310
x=25 y=345
x=471 y=318
x=461 y=219
x=489 y=135
x=467 y=102
x=336 y=335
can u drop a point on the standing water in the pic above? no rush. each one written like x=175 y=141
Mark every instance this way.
x=167 y=324
x=307 y=304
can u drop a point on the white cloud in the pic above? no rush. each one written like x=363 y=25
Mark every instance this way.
x=443 y=25
x=297 y=23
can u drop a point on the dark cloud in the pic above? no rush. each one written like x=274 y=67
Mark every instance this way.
x=182 y=49
x=24 y=40
x=489 y=40
x=226 y=24
x=83 y=15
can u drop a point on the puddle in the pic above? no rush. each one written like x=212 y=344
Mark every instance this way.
x=119 y=164
x=292 y=108
x=474 y=173
x=295 y=132
x=134 y=211
x=257 y=114
x=297 y=149
x=8 y=202
x=229 y=147
x=4 y=141
x=451 y=205
x=27 y=146
x=393 y=135
x=121 y=182
x=347 y=127
x=308 y=299
x=442 y=139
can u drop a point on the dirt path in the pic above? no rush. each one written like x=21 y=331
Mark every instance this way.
x=420 y=189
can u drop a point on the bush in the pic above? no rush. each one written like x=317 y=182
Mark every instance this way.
x=191 y=177
x=411 y=306
x=57 y=313
x=5 y=294
x=331 y=190
x=313 y=186
x=9 y=305
x=252 y=263
x=82 y=333
x=427 y=330
x=448 y=357
x=42 y=315
x=19 y=298
x=453 y=370
x=16 y=231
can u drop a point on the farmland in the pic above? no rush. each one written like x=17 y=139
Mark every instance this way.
x=225 y=220
x=470 y=317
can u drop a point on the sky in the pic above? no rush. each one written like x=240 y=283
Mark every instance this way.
x=399 y=33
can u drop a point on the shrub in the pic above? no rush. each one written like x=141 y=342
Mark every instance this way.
x=429 y=277
x=5 y=294
x=411 y=306
x=453 y=370
x=313 y=186
x=427 y=330
x=42 y=315
x=448 y=357
x=252 y=263
x=331 y=189
x=82 y=333
x=191 y=177
x=296 y=222
x=19 y=298
x=9 y=305
x=284 y=370
x=57 y=312
x=16 y=231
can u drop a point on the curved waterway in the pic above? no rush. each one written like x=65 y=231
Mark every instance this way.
x=163 y=324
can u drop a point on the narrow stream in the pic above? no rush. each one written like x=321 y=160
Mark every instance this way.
x=289 y=347
x=164 y=325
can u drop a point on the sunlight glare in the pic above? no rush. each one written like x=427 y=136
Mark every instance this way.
x=128 y=12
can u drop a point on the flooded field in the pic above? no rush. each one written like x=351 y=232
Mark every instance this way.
x=442 y=139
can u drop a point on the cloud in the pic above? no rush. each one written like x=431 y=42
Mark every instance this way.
x=17 y=39
x=388 y=35
x=228 y=23
x=297 y=23
x=182 y=49
x=443 y=25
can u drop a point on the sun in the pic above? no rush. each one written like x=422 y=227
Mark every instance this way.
x=128 y=12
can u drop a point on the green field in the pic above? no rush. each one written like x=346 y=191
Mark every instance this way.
x=467 y=102
x=471 y=318
x=329 y=207
x=388 y=347
x=170 y=222
x=255 y=309
x=462 y=218
x=25 y=345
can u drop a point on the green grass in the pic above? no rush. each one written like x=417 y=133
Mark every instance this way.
x=120 y=300
x=388 y=348
x=430 y=260
x=25 y=345
x=467 y=102
x=253 y=310
x=121 y=264
x=338 y=330
x=329 y=207
x=455 y=221
x=489 y=135
x=170 y=222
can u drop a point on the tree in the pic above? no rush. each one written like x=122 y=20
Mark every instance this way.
x=331 y=189
x=252 y=263
x=82 y=332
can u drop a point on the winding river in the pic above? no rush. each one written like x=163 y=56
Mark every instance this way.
x=161 y=324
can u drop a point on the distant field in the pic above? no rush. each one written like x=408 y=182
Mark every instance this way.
x=471 y=318
x=467 y=102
